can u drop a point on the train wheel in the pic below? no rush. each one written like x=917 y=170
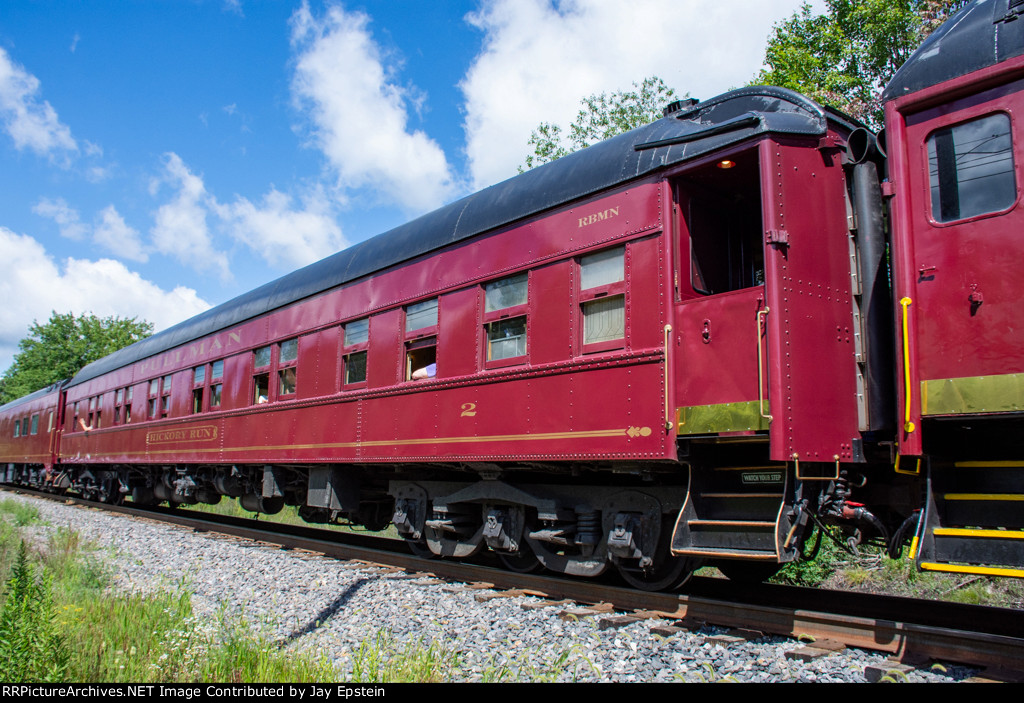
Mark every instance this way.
x=420 y=549
x=523 y=561
x=748 y=571
x=667 y=573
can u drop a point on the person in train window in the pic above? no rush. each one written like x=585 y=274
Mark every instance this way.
x=428 y=371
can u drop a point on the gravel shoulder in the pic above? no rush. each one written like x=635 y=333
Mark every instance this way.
x=329 y=608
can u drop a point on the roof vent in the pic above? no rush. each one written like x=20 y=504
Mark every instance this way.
x=684 y=104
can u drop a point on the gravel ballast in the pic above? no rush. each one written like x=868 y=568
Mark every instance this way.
x=317 y=604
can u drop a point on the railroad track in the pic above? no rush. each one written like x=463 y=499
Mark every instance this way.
x=912 y=631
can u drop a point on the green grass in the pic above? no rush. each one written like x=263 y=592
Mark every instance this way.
x=59 y=621
x=380 y=660
x=876 y=573
x=19 y=513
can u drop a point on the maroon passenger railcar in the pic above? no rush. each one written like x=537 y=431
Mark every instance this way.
x=29 y=436
x=680 y=345
x=953 y=120
x=595 y=335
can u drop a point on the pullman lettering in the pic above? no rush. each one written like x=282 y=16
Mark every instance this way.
x=198 y=351
x=599 y=216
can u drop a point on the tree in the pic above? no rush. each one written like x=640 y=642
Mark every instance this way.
x=600 y=117
x=62 y=346
x=845 y=57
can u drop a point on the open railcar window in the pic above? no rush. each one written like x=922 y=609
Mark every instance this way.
x=721 y=209
x=287 y=373
x=421 y=340
x=261 y=379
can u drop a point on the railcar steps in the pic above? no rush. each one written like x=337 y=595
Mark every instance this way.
x=974 y=520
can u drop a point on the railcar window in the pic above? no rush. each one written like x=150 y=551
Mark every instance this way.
x=118 y=403
x=159 y=397
x=165 y=399
x=357 y=332
x=505 y=317
x=49 y=426
x=357 y=338
x=262 y=357
x=198 y=388
x=287 y=373
x=35 y=424
x=419 y=316
x=970 y=168
x=286 y=379
x=261 y=381
x=355 y=367
x=603 y=268
x=24 y=427
x=261 y=386
x=289 y=350
x=420 y=351
x=603 y=299
x=506 y=293
x=128 y=404
x=421 y=359
x=216 y=389
x=17 y=428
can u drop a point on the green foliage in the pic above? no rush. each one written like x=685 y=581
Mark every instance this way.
x=31 y=647
x=243 y=654
x=380 y=660
x=61 y=347
x=845 y=57
x=22 y=514
x=816 y=571
x=600 y=117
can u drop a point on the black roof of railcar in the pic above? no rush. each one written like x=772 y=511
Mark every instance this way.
x=982 y=34
x=675 y=138
x=42 y=392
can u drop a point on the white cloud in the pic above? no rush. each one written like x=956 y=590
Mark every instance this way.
x=64 y=215
x=114 y=234
x=180 y=227
x=110 y=231
x=360 y=114
x=540 y=57
x=104 y=287
x=32 y=123
x=283 y=236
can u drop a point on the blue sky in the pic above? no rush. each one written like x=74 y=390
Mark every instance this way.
x=161 y=157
